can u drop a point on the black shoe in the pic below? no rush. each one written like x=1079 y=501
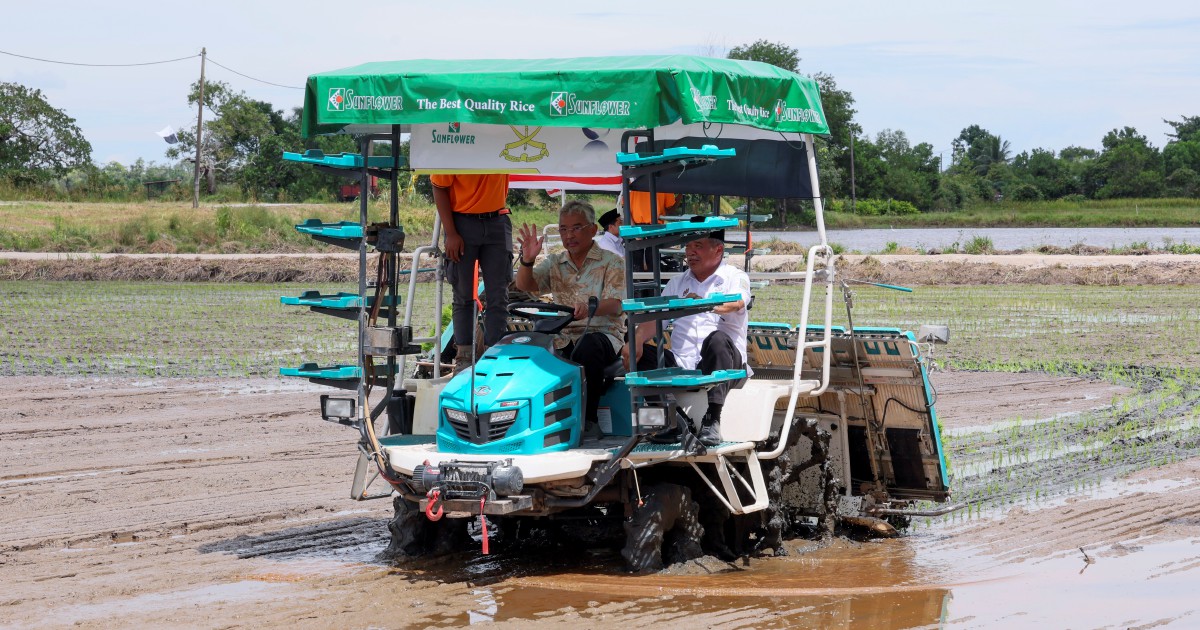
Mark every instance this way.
x=710 y=432
x=665 y=436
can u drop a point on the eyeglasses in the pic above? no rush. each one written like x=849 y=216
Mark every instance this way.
x=572 y=229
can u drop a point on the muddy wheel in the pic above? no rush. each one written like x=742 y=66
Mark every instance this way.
x=666 y=527
x=414 y=535
x=901 y=523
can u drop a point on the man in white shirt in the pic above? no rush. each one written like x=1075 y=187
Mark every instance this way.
x=710 y=341
x=610 y=239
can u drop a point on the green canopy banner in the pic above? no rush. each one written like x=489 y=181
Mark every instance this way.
x=590 y=92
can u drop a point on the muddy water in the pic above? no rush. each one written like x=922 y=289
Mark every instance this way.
x=944 y=575
x=881 y=585
x=912 y=582
x=111 y=517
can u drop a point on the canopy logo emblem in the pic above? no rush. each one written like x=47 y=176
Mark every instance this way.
x=519 y=150
x=342 y=100
x=483 y=390
x=783 y=113
x=558 y=103
x=705 y=103
x=567 y=104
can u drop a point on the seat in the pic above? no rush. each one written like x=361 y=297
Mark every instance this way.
x=615 y=369
x=750 y=409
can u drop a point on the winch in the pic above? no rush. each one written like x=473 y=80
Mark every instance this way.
x=469 y=480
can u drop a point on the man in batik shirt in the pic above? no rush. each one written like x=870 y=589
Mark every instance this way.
x=584 y=270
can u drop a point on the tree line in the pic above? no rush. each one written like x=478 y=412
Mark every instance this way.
x=42 y=150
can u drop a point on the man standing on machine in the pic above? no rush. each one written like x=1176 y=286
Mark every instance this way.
x=478 y=230
x=581 y=272
x=710 y=341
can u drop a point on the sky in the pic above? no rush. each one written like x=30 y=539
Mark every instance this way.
x=1046 y=74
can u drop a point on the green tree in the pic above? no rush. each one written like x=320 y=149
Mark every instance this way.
x=1181 y=154
x=1184 y=182
x=976 y=149
x=889 y=167
x=233 y=129
x=37 y=142
x=1048 y=174
x=1128 y=167
x=780 y=55
x=1186 y=130
x=244 y=141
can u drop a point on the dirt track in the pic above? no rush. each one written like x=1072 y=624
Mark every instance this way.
x=948 y=269
x=224 y=503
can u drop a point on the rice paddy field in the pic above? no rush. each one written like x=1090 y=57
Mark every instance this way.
x=209 y=329
x=1146 y=338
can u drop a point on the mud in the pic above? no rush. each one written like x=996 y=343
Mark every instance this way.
x=909 y=270
x=224 y=503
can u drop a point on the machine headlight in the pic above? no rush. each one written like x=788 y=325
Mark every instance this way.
x=652 y=417
x=456 y=415
x=504 y=416
x=336 y=409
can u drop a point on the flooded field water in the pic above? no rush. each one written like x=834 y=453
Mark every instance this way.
x=1005 y=239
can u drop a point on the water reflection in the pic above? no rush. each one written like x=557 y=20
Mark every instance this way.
x=870 y=241
x=880 y=584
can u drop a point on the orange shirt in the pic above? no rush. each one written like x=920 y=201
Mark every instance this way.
x=474 y=194
x=639 y=205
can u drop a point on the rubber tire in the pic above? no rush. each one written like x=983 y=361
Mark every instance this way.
x=666 y=525
x=415 y=536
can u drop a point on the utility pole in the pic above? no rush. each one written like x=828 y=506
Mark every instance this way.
x=199 y=131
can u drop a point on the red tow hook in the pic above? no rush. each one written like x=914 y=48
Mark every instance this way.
x=435 y=500
x=483 y=519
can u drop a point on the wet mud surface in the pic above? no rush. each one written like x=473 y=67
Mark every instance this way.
x=224 y=503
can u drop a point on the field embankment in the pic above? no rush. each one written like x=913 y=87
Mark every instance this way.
x=914 y=270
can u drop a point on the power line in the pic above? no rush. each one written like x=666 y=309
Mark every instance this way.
x=99 y=65
x=146 y=63
x=290 y=87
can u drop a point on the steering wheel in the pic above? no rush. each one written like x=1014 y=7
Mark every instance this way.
x=546 y=317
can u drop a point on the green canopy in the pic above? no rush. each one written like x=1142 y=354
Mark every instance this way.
x=599 y=92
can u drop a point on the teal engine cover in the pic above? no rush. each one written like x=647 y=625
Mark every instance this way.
x=526 y=401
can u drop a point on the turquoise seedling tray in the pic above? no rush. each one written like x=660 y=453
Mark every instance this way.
x=668 y=303
x=679 y=377
x=709 y=224
x=341 y=229
x=341 y=160
x=333 y=300
x=675 y=154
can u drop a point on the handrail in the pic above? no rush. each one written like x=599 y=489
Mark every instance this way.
x=824 y=342
x=802 y=332
x=412 y=292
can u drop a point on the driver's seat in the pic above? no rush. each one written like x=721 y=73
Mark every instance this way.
x=615 y=369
